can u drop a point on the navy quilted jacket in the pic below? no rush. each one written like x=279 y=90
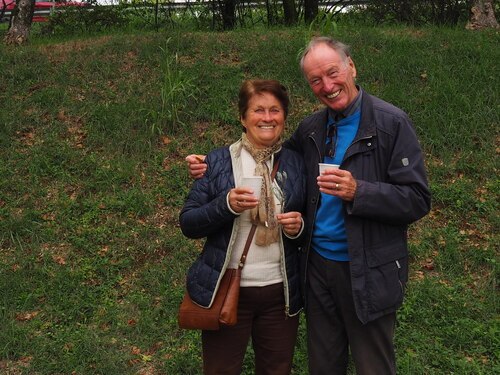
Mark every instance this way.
x=206 y=214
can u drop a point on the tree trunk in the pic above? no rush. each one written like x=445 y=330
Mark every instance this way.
x=404 y=11
x=482 y=15
x=290 y=12
x=20 y=25
x=228 y=14
x=270 y=13
x=310 y=10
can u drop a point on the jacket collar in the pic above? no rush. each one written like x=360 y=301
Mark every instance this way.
x=366 y=130
x=350 y=110
x=367 y=126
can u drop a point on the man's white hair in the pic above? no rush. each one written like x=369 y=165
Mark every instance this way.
x=341 y=48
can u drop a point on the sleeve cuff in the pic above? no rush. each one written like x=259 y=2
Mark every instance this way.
x=298 y=234
x=229 y=206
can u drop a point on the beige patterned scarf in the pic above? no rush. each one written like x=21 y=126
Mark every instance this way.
x=263 y=215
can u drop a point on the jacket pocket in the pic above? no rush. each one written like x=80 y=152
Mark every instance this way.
x=387 y=267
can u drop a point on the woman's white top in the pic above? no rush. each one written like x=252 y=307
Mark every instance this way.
x=263 y=263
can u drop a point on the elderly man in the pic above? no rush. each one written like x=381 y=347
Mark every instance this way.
x=356 y=259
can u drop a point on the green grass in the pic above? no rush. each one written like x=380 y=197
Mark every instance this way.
x=92 y=178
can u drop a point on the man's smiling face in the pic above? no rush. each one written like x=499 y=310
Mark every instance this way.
x=331 y=76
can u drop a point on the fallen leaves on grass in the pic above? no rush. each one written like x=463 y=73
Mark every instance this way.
x=131 y=322
x=58 y=252
x=59 y=259
x=26 y=137
x=104 y=250
x=49 y=216
x=429 y=264
x=75 y=128
x=418 y=275
x=148 y=370
x=165 y=140
x=142 y=357
x=15 y=367
x=26 y=315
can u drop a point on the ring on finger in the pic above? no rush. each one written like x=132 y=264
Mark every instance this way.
x=337 y=186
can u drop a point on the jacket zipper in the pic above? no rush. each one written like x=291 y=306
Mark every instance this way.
x=399 y=279
x=285 y=277
x=311 y=135
x=309 y=240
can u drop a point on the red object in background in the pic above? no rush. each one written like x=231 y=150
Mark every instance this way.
x=42 y=8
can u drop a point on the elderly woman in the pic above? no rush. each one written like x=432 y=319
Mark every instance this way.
x=221 y=209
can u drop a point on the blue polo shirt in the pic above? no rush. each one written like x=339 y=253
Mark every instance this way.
x=329 y=237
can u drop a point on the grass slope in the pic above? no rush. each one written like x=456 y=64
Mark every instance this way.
x=93 y=132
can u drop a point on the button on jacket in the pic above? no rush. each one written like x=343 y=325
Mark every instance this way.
x=206 y=214
x=386 y=160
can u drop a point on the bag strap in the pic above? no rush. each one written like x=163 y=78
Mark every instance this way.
x=254 y=226
x=275 y=168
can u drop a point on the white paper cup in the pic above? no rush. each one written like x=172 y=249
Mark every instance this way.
x=254 y=183
x=324 y=166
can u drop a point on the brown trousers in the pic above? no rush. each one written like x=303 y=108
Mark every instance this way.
x=261 y=316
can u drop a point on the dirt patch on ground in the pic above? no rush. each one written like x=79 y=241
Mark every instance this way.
x=416 y=34
x=15 y=367
x=58 y=53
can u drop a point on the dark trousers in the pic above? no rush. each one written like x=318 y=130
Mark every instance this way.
x=333 y=327
x=261 y=316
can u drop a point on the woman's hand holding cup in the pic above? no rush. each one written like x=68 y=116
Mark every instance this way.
x=242 y=198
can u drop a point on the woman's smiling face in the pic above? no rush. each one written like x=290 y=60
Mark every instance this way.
x=264 y=120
